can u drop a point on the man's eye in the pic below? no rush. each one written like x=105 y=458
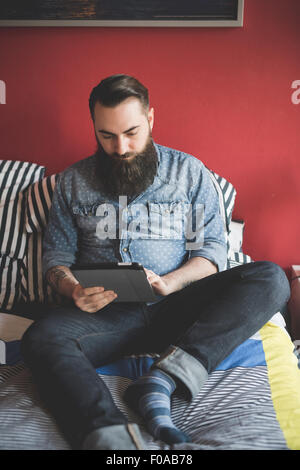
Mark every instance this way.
x=106 y=137
x=130 y=134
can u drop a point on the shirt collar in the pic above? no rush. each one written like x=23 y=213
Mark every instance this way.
x=158 y=159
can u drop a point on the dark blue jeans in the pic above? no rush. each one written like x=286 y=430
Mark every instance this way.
x=193 y=330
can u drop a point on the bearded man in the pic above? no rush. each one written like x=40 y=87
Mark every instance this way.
x=202 y=312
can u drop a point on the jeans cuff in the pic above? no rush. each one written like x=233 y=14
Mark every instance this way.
x=116 y=437
x=183 y=366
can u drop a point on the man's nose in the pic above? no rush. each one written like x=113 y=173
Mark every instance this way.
x=121 y=145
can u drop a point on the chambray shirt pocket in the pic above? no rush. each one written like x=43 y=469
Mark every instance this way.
x=159 y=244
x=166 y=220
x=97 y=232
x=86 y=218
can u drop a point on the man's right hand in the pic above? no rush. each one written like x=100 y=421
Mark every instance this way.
x=92 y=299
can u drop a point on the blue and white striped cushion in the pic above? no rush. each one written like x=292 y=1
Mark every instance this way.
x=10 y=279
x=15 y=176
x=33 y=286
x=227 y=194
x=236 y=258
x=39 y=198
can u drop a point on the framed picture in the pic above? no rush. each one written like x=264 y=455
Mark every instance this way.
x=124 y=13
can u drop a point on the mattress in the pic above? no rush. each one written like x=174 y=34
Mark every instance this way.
x=250 y=402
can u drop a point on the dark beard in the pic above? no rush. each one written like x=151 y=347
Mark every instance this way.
x=127 y=178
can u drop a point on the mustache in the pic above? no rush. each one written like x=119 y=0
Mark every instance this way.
x=116 y=158
x=124 y=156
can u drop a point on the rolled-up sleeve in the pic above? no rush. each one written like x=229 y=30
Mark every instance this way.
x=209 y=226
x=60 y=238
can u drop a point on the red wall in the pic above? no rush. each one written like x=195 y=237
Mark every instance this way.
x=221 y=94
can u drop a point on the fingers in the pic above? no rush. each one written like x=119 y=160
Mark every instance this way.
x=92 y=290
x=92 y=299
x=148 y=272
x=80 y=291
x=151 y=276
x=95 y=302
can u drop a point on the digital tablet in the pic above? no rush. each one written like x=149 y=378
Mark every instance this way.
x=128 y=280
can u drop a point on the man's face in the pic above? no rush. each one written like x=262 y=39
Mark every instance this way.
x=123 y=131
x=127 y=155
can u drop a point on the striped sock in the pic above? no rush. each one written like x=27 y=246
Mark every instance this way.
x=150 y=396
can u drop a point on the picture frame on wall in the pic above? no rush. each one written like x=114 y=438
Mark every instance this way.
x=122 y=13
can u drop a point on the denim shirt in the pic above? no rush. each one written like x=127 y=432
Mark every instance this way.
x=81 y=212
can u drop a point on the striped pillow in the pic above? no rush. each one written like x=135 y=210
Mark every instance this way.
x=10 y=281
x=39 y=199
x=227 y=194
x=33 y=286
x=15 y=176
x=236 y=258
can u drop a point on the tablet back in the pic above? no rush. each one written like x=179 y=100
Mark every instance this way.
x=131 y=285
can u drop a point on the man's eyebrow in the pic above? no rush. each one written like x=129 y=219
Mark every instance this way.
x=125 y=132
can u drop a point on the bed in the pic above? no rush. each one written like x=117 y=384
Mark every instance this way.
x=250 y=402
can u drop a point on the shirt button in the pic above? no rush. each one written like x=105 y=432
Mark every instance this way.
x=125 y=249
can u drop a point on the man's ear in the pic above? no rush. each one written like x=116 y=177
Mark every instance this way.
x=151 y=118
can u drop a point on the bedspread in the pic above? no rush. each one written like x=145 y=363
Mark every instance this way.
x=251 y=401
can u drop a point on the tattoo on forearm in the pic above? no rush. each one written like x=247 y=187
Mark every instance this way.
x=54 y=276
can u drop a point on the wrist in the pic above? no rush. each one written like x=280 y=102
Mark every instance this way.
x=171 y=282
x=62 y=280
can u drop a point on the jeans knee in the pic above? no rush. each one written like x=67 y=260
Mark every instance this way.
x=31 y=336
x=36 y=337
x=275 y=277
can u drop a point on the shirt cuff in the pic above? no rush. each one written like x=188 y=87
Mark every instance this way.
x=56 y=258
x=214 y=252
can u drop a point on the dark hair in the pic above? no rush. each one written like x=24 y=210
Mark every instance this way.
x=117 y=88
